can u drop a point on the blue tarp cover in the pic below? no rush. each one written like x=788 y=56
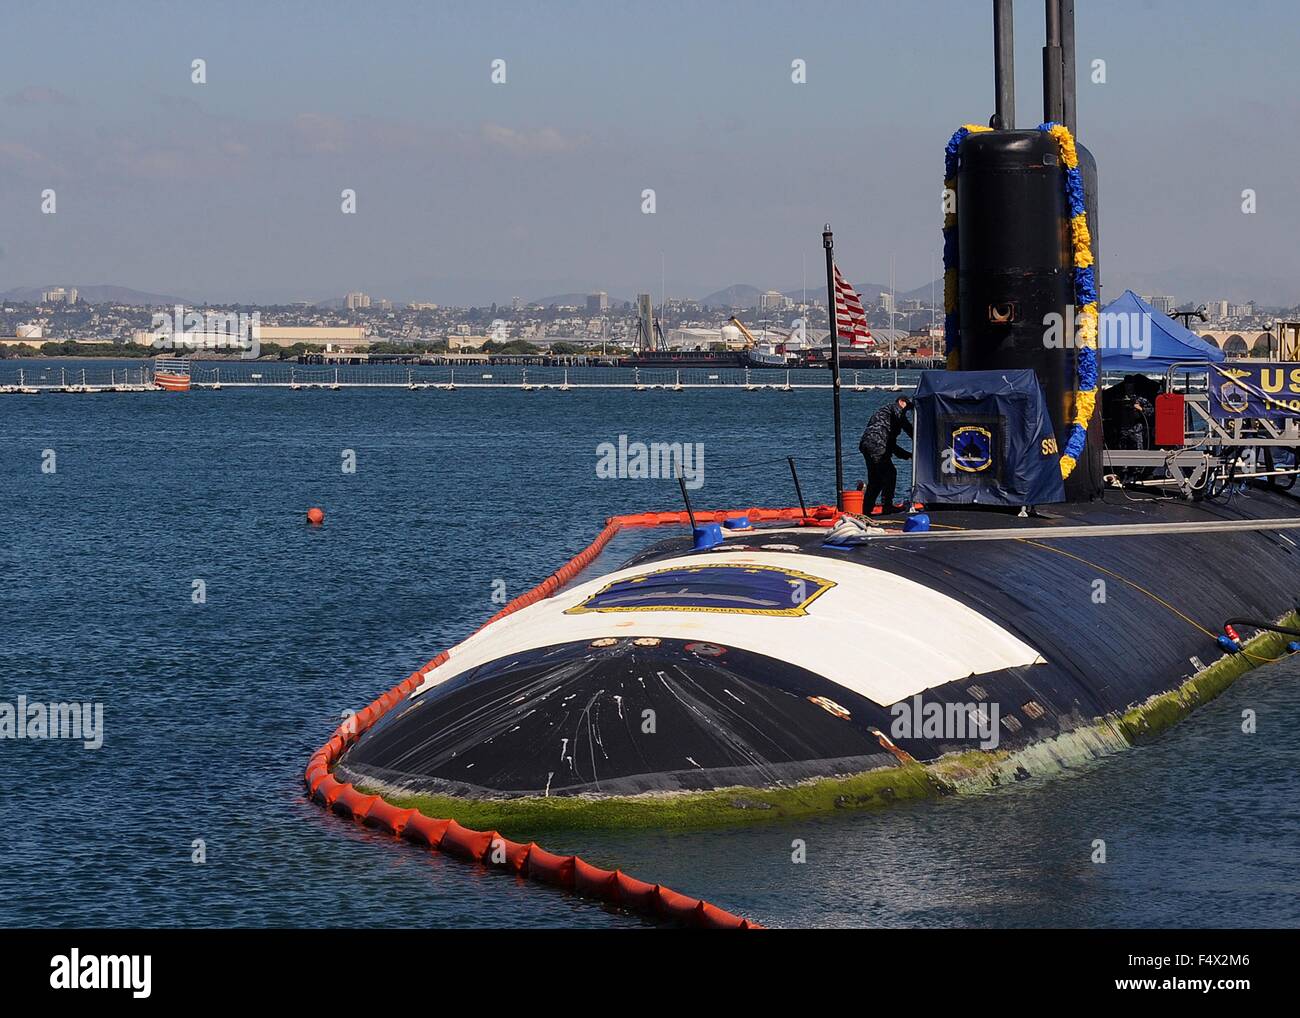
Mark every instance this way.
x=1166 y=340
x=986 y=437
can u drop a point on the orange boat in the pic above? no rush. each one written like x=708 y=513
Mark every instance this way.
x=172 y=375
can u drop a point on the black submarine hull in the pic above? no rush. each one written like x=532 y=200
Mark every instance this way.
x=1095 y=627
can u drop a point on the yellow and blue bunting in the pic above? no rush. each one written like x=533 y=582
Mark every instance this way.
x=1085 y=299
x=1087 y=364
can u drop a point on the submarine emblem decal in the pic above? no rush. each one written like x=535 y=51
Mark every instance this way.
x=972 y=448
x=733 y=589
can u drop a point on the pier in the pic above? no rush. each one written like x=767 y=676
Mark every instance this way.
x=255 y=375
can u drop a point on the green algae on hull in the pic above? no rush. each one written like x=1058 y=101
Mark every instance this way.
x=968 y=771
x=1149 y=719
x=669 y=810
x=980 y=770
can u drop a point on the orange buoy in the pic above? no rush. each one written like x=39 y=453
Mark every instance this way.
x=315 y=516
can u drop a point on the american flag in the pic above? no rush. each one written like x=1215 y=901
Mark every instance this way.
x=850 y=318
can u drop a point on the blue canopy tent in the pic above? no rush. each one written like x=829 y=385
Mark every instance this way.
x=1130 y=327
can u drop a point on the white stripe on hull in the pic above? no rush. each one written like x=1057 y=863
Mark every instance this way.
x=876 y=633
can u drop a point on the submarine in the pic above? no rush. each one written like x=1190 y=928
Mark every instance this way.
x=1054 y=596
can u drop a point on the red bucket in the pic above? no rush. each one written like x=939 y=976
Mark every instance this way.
x=852 y=501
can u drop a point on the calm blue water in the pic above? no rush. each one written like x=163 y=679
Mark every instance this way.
x=213 y=709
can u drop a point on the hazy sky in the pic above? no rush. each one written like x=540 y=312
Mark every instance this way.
x=469 y=191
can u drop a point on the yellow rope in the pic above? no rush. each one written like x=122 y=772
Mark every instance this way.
x=1136 y=586
x=1124 y=579
x=1155 y=597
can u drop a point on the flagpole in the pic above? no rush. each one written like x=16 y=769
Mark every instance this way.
x=828 y=242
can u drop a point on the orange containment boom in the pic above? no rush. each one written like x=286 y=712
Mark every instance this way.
x=489 y=847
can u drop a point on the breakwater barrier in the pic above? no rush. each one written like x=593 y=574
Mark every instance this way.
x=82 y=378
x=490 y=848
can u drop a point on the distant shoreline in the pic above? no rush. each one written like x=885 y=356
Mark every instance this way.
x=136 y=357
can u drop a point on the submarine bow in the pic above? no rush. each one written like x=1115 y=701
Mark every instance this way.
x=757 y=668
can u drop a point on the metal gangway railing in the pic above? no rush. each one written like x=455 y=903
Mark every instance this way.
x=1214 y=453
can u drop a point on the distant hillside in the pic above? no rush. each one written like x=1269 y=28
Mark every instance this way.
x=94 y=294
x=742 y=295
x=746 y=296
x=867 y=291
x=578 y=299
x=923 y=292
x=870 y=292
